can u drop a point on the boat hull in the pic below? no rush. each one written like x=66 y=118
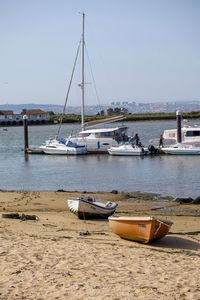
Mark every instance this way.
x=127 y=150
x=59 y=150
x=181 y=149
x=94 y=145
x=96 y=210
x=172 y=152
x=35 y=150
x=143 y=230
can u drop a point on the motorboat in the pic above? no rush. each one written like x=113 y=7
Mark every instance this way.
x=140 y=229
x=189 y=135
x=128 y=150
x=181 y=149
x=62 y=147
x=91 y=208
x=35 y=150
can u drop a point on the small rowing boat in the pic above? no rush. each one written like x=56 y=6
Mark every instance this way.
x=90 y=208
x=140 y=229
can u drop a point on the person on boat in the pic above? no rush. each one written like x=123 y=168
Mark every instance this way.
x=136 y=139
x=117 y=137
x=124 y=137
x=161 y=141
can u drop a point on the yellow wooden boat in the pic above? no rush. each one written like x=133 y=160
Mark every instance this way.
x=140 y=229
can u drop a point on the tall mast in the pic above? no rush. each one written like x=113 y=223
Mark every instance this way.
x=83 y=73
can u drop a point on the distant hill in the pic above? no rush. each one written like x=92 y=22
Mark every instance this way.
x=131 y=107
x=17 y=108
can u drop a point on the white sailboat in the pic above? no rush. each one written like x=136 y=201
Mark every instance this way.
x=87 y=140
x=96 y=139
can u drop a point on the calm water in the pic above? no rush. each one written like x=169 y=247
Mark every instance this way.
x=168 y=175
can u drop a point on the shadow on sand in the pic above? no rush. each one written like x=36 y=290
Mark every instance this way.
x=176 y=242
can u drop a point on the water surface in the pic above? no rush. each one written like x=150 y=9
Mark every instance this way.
x=167 y=175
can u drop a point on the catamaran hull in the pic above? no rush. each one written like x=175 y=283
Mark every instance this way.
x=95 y=146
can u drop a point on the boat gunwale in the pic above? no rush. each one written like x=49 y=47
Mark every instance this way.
x=143 y=219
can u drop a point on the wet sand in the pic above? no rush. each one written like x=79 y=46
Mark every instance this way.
x=54 y=258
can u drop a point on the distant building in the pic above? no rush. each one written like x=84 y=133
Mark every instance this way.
x=6 y=114
x=35 y=116
x=6 y=117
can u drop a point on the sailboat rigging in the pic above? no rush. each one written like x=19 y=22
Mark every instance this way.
x=83 y=72
x=95 y=140
x=70 y=83
x=88 y=140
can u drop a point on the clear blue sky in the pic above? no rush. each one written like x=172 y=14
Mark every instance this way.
x=140 y=50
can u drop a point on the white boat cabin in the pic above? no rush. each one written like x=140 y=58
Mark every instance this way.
x=99 y=140
x=190 y=135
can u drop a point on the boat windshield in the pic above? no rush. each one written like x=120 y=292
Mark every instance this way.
x=84 y=134
x=62 y=141
x=104 y=134
x=192 y=133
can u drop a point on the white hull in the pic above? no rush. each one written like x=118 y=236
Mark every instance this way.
x=55 y=147
x=189 y=135
x=127 y=150
x=35 y=150
x=96 y=145
x=58 y=151
x=182 y=149
x=85 y=209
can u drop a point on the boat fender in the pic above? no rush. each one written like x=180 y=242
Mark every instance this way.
x=98 y=145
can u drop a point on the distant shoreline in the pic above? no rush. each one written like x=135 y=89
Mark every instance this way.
x=75 y=119
x=72 y=118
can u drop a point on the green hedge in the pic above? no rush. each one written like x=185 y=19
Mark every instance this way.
x=73 y=118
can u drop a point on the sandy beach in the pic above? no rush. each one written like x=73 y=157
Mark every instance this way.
x=54 y=258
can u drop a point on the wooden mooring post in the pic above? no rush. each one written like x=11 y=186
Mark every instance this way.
x=25 y=122
x=178 y=122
